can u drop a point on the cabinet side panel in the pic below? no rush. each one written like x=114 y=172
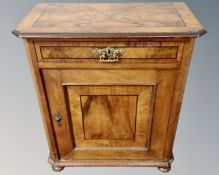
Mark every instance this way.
x=30 y=50
x=178 y=97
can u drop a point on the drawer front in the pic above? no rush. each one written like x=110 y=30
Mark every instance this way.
x=109 y=114
x=133 y=51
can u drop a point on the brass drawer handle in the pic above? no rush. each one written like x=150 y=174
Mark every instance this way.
x=58 y=119
x=109 y=54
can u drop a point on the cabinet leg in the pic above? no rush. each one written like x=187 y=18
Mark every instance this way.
x=57 y=168
x=165 y=169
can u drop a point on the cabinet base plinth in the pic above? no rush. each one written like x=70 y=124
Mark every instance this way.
x=59 y=165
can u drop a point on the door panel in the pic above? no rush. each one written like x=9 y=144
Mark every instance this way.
x=110 y=114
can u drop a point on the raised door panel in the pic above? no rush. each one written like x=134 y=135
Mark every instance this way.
x=110 y=114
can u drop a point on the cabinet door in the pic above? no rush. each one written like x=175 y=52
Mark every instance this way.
x=109 y=114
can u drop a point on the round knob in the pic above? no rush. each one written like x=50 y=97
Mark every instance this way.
x=58 y=119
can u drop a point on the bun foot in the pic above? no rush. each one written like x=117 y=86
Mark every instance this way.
x=57 y=168
x=164 y=169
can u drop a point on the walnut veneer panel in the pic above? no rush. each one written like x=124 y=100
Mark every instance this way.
x=135 y=52
x=63 y=20
x=156 y=50
x=66 y=52
x=123 y=120
x=106 y=14
x=118 y=115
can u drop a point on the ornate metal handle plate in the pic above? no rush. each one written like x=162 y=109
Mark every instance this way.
x=109 y=54
x=58 y=119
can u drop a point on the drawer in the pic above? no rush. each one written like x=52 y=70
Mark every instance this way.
x=134 y=52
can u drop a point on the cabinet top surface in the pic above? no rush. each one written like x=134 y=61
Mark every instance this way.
x=101 y=20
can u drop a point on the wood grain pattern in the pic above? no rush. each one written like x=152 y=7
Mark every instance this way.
x=106 y=20
x=112 y=66
x=109 y=155
x=118 y=14
x=55 y=93
x=78 y=52
x=109 y=117
x=40 y=91
x=94 y=63
x=178 y=98
x=50 y=51
x=139 y=123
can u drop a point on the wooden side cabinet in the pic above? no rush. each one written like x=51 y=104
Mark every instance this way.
x=110 y=79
